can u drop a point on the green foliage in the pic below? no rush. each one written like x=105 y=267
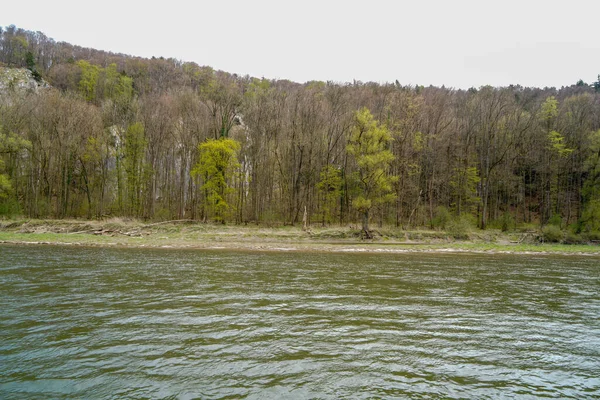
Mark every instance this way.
x=557 y=144
x=330 y=188
x=552 y=234
x=508 y=222
x=459 y=227
x=594 y=235
x=89 y=79
x=596 y=84
x=464 y=188
x=257 y=87
x=218 y=166
x=9 y=207
x=574 y=238
x=442 y=217
x=505 y=223
x=590 y=218
x=549 y=110
x=30 y=62
x=133 y=161
x=13 y=143
x=5 y=185
x=369 y=145
x=124 y=89
x=555 y=220
x=522 y=151
x=9 y=144
x=117 y=86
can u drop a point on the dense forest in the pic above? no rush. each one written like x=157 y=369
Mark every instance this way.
x=106 y=134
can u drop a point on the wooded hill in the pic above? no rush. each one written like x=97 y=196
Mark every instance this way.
x=116 y=135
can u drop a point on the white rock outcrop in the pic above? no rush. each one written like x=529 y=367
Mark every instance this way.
x=19 y=79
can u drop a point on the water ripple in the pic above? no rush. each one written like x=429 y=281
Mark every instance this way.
x=107 y=323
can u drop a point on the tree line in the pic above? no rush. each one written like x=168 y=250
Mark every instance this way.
x=116 y=135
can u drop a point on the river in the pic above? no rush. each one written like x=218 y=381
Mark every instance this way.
x=139 y=323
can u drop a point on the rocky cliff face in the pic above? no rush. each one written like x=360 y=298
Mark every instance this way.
x=19 y=79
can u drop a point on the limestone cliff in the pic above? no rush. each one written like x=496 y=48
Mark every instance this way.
x=19 y=79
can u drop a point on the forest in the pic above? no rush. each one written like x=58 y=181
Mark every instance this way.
x=111 y=135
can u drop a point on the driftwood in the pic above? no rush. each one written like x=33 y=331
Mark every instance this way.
x=89 y=230
x=107 y=232
x=136 y=232
x=168 y=222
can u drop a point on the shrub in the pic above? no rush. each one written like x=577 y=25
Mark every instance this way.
x=10 y=208
x=508 y=222
x=442 y=217
x=573 y=238
x=459 y=227
x=552 y=234
x=594 y=235
x=505 y=223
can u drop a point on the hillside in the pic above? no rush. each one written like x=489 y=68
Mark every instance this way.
x=122 y=136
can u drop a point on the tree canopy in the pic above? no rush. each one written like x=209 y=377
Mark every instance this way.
x=369 y=144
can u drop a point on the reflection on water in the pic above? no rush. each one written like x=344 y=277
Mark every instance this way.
x=94 y=323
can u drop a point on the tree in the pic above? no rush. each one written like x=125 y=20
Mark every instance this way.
x=10 y=145
x=135 y=167
x=330 y=188
x=369 y=144
x=464 y=188
x=89 y=79
x=590 y=220
x=217 y=167
x=596 y=84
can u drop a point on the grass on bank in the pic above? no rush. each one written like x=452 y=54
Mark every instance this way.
x=188 y=234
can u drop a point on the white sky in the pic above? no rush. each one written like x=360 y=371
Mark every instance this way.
x=457 y=43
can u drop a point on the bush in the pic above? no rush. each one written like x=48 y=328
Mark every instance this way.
x=460 y=227
x=505 y=223
x=552 y=234
x=442 y=217
x=594 y=235
x=573 y=238
x=10 y=208
x=508 y=222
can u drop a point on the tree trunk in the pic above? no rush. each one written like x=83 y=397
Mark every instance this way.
x=365 y=225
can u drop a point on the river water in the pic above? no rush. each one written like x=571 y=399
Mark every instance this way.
x=141 y=323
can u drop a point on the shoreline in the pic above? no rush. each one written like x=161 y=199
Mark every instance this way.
x=118 y=233
x=316 y=247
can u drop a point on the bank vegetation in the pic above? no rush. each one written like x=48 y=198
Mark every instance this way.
x=94 y=135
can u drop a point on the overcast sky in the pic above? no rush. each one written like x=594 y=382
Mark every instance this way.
x=457 y=43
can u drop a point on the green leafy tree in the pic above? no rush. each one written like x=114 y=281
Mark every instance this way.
x=330 y=188
x=30 y=62
x=217 y=167
x=556 y=153
x=5 y=186
x=88 y=82
x=369 y=144
x=135 y=168
x=10 y=145
x=590 y=219
x=596 y=84
x=557 y=144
